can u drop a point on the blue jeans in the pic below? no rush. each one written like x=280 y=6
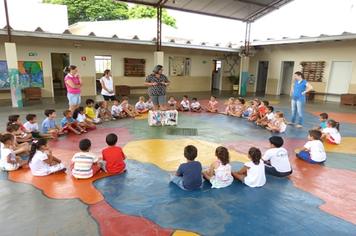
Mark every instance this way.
x=178 y=180
x=297 y=111
x=305 y=156
x=158 y=100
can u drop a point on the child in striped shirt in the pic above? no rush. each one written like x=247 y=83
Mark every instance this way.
x=84 y=163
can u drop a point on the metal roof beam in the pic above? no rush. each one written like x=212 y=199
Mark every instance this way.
x=254 y=3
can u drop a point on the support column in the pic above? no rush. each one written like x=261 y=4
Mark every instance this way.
x=158 y=58
x=13 y=73
x=244 y=75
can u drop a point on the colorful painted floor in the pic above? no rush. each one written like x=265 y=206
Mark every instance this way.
x=315 y=200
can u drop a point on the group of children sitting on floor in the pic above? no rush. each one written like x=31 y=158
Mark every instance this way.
x=24 y=144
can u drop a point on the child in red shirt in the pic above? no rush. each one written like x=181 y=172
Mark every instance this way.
x=113 y=156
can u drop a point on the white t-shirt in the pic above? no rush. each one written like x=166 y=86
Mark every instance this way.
x=270 y=116
x=185 y=104
x=334 y=133
x=149 y=105
x=81 y=117
x=255 y=174
x=140 y=106
x=279 y=159
x=195 y=105
x=109 y=85
x=5 y=152
x=38 y=166
x=316 y=149
x=116 y=109
x=31 y=127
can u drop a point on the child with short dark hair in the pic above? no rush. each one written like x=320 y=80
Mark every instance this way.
x=331 y=133
x=276 y=158
x=195 y=105
x=219 y=173
x=41 y=161
x=82 y=120
x=23 y=135
x=253 y=172
x=71 y=125
x=113 y=156
x=184 y=104
x=212 y=105
x=19 y=148
x=84 y=163
x=9 y=161
x=267 y=118
x=188 y=175
x=313 y=151
x=323 y=117
x=32 y=126
x=49 y=125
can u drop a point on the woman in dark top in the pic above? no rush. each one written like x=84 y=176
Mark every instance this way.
x=157 y=84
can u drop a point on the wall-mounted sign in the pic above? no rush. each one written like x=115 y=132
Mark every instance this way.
x=83 y=58
x=33 y=54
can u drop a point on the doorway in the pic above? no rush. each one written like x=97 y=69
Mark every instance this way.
x=216 y=75
x=339 y=81
x=286 y=77
x=58 y=62
x=102 y=63
x=262 y=78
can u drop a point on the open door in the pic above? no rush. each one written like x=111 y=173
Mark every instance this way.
x=58 y=62
x=287 y=77
x=216 y=75
x=262 y=78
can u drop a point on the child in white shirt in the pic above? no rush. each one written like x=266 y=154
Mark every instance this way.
x=41 y=161
x=253 y=172
x=31 y=126
x=141 y=105
x=331 y=134
x=172 y=103
x=219 y=173
x=184 y=104
x=195 y=105
x=82 y=119
x=116 y=110
x=149 y=104
x=278 y=124
x=9 y=161
x=276 y=158
x=313 y=151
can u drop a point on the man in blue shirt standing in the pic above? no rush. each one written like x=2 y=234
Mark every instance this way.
x=299 y=89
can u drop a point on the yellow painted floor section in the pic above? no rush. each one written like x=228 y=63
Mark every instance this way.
x=168 y=154
x=183 y=233
x=348 y=146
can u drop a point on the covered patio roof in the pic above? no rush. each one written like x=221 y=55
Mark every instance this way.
x=242 y=10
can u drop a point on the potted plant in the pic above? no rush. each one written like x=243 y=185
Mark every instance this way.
x=235 y=80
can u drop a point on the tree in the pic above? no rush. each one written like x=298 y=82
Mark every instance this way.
x=100 y=10
x=139 y=11
x=93 y=10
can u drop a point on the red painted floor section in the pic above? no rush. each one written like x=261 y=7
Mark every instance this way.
x=113 y=223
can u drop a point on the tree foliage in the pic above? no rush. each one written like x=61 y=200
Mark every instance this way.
x=100 y=10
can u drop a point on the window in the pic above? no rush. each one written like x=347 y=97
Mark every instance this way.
x=313 y=70
x=179 y=66
x=217 y=65
x=102 y=63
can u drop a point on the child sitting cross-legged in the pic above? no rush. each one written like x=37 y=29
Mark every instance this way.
x=141 y=105
x=32 y=126
x=102 y=111
x=90 y=111
x=331 y=133
x=219 y=173
x=128 y=109
x=188 y=175
x=212 y=105
x=195 y=105
x=9 y=161
x=113 y=156
x=41 y=161
x=267 y=118
x=18 y=148
x=253 y=116
x=172 y=103
x=313 y=151
x=239 y=107
x=70 y=125
x=84 y=163
x=82 y=120
x=116 y=110
x=149 y=104
x=49 y=125
x=184 y=104
x=253 y=172
x=230 y=109
x=276 y=158
x=323 y=117
x=278 y=124
x=22 y=135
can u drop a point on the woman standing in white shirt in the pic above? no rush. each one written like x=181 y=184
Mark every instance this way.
x=253 y=172
x=107 y=86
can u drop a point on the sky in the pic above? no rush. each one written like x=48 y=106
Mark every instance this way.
x=300 y=17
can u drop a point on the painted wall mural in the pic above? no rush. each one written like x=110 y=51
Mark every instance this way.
x=30 y=74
